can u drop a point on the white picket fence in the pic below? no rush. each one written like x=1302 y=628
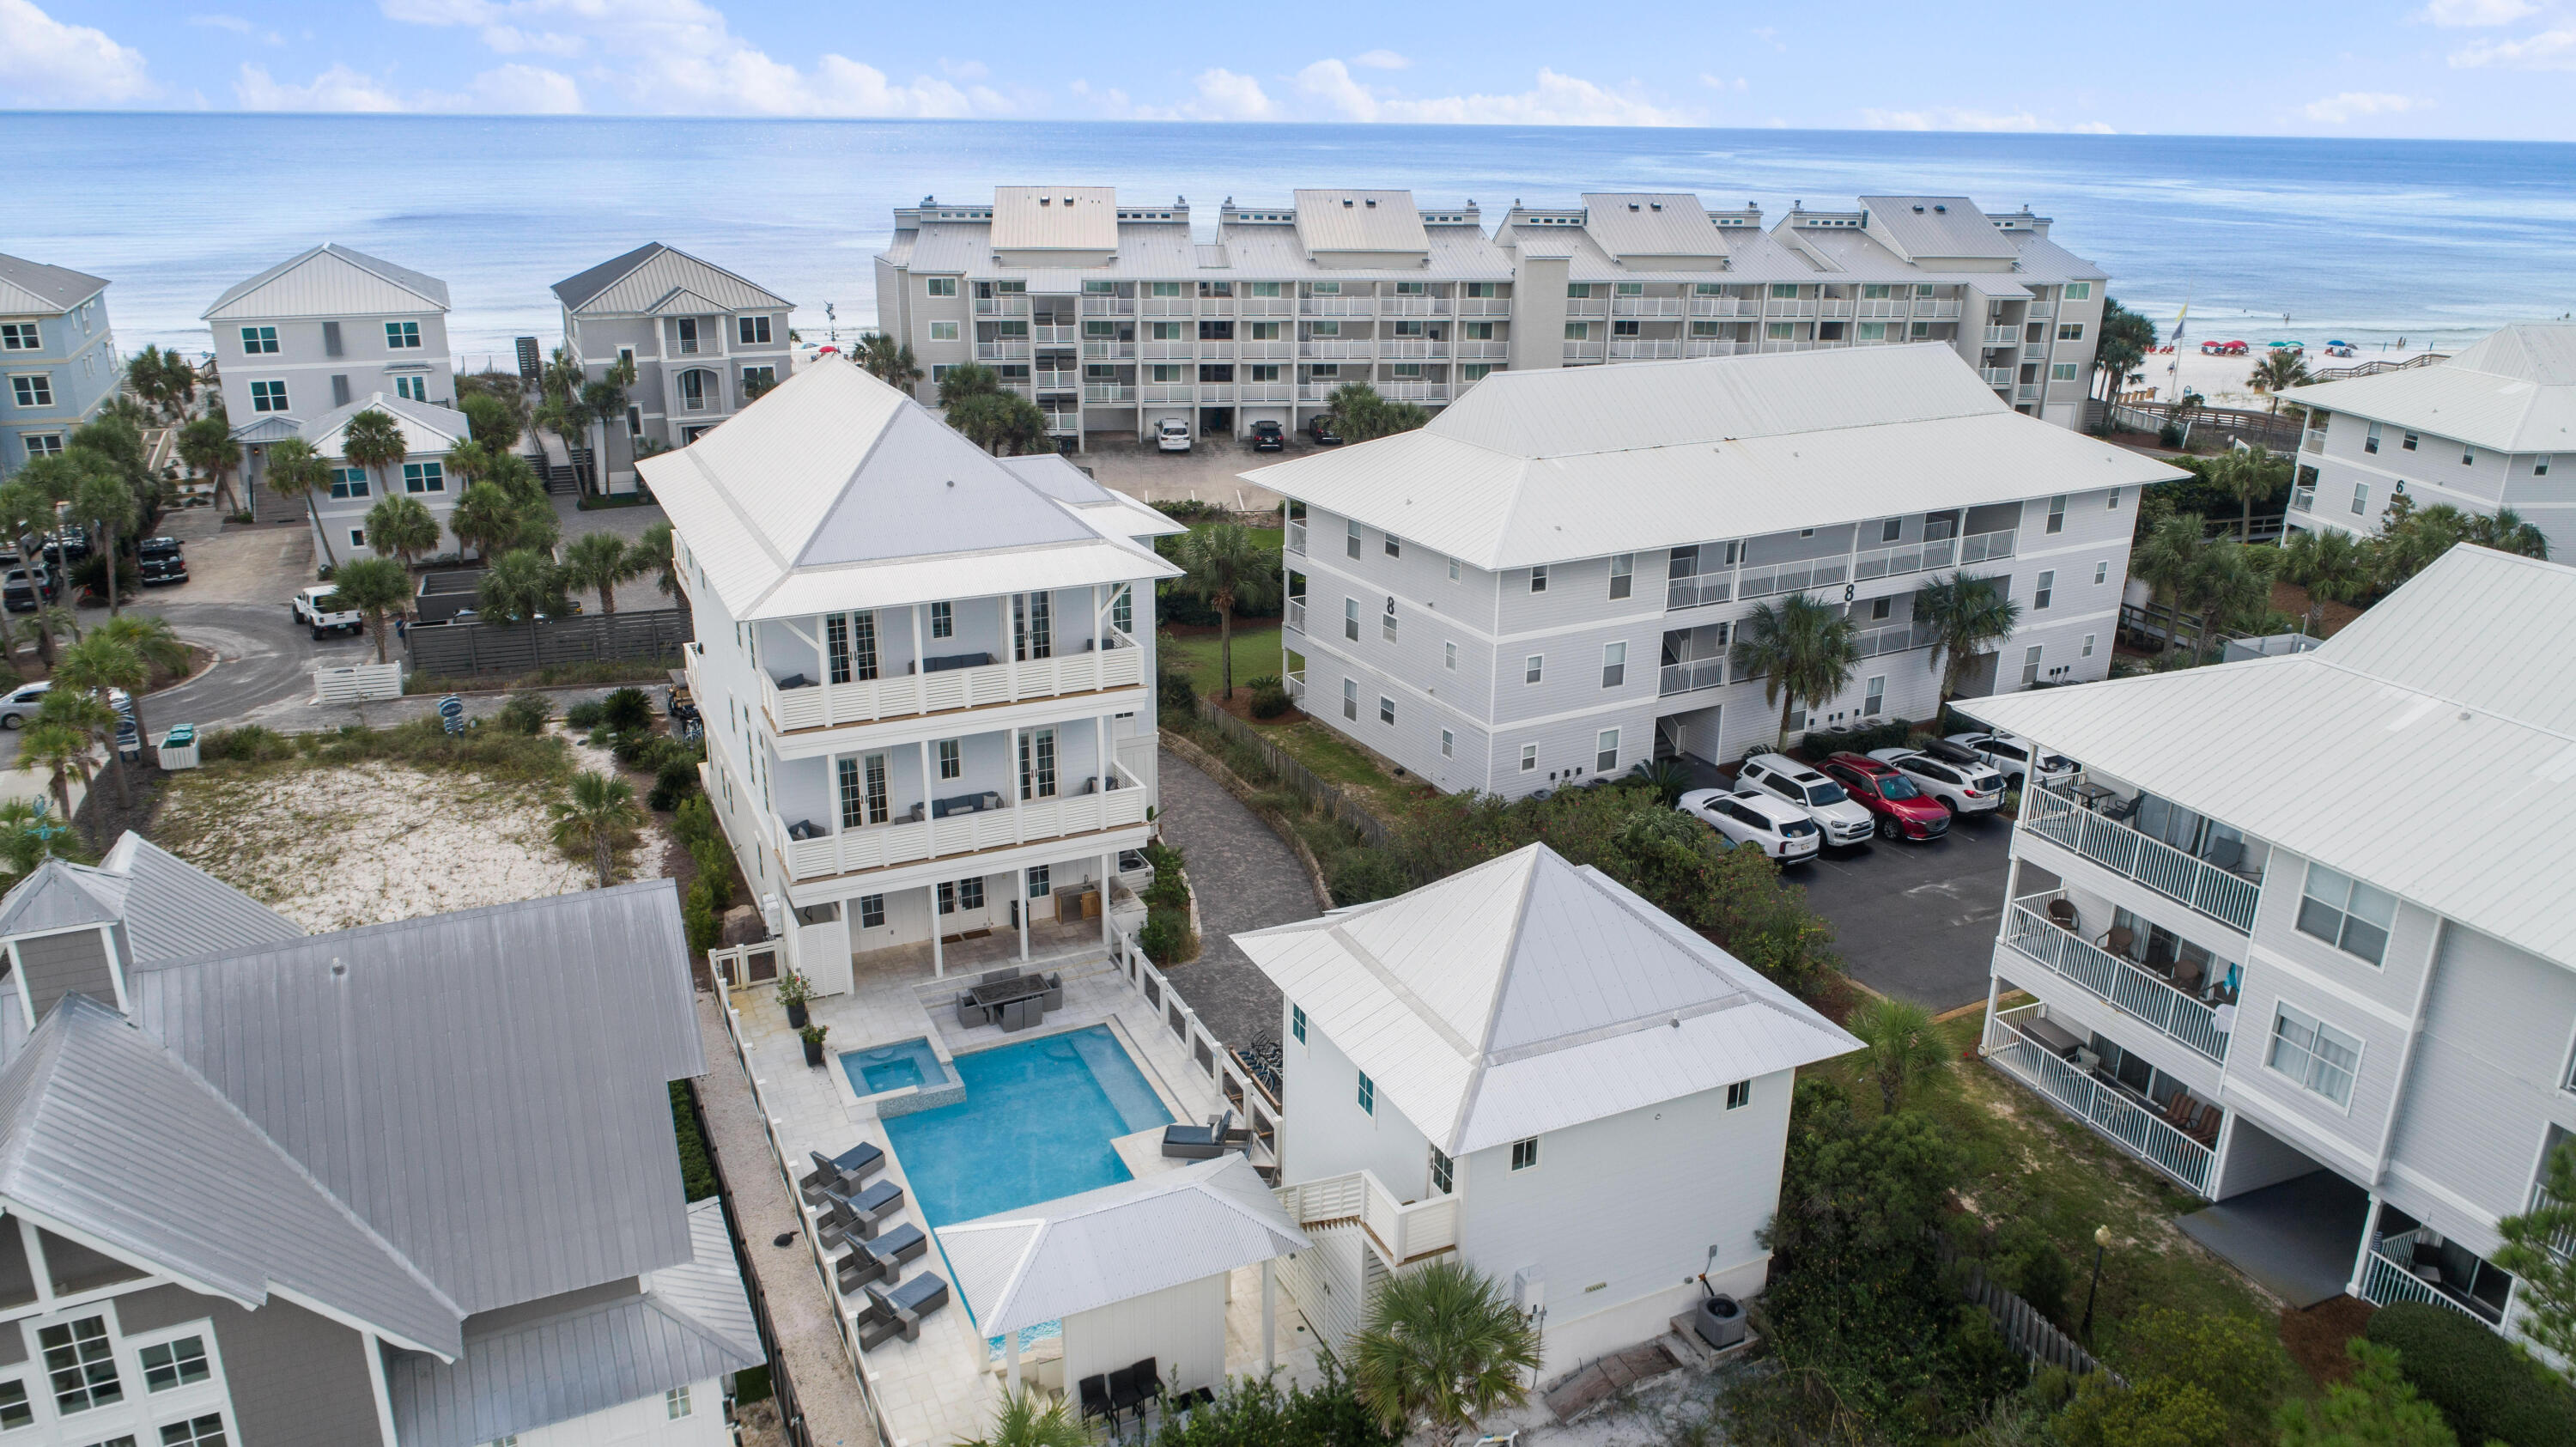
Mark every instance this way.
x=357 y=683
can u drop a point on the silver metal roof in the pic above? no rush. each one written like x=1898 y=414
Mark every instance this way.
x=330 y=280
x=1658 y=224
x=2513 y=391
x=169 y=908
x=31 y=288
x=648 y=280
x=1055 y=218
x=1933 y=228
x=61 y=895
x=105 y=1130
x=1330 y=221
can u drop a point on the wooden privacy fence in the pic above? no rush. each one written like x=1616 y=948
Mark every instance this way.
x=1297 y=776
x=2275 y=431
x=468 y=650
x=2031 y=1334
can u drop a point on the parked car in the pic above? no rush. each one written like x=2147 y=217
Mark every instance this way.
x=1782 y=777
x=1778 y=829
x=2012 y=758
x=1962 y=787
x=319 y=609
x=160 y=560
x=20 y=596
x=1172 y=434
x=1320 y=432
x=1269 y=437
x=1903 y=810
x=20 y=707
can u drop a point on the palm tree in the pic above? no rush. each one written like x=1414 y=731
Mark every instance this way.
x=378 y=586
x=207 y=446
x=2249 y=474
x=1901 y=1046
x=1802 y=648
x=404 y=528
x=600 y=812
x=469 y=460
x=29 y=837
x=1441 y=1348
x=157 y=644
x=2506 y=532
x=61 y=751
x=889 y=361
x=2166 y=560
x=599 y=562
x=105 y=505
x=486 y=519
x=519 y=585
x=88 y=715
x=99 y=663
x=1005 y=424
x=1023 y=1423
x=967 y=379
x=656 y=554
x=604 y=401
x=1968 y=616
x=2232 y=585
x=1227 y=568
x=2277 y=373
x=373 y=440
x=1360 y=414
x=2331 y=565
x=297 y=470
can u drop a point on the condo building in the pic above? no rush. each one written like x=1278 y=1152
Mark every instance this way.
x=58 y=365
x=1113 y=315
x=702 y=344
x=1544 y=584
x=2345 y=1019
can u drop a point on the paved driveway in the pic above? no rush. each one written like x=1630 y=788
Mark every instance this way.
x=1917 y=921
x=1245 y=878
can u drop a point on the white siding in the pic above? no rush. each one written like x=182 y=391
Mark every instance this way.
x=1327 y=1134
x=2487 y=1080
x=1182 y=1328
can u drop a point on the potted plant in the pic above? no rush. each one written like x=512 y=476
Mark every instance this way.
x=813 y=1035
x=793 y=992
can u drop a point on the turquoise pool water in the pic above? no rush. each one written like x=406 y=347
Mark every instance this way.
x=892 y=1067
x=1035 y=1125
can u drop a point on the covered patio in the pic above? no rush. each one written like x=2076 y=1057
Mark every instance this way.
x=2297 y=1239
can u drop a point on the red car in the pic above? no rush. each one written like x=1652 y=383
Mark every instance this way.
x=1904 y=811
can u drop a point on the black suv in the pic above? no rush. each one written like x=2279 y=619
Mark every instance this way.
x=20 y=598
x=1269 y=437
x=1321 y=429
x=160 y=561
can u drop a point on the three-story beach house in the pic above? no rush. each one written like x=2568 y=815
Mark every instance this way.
x=429 y=433
x=58 y=363
x=702 y=343
x=2279 y=947
x=408 y=1185
x=1529 y=1066
x=1544 y=584
x=927 y=673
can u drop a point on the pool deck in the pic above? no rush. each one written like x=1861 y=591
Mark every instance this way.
x=943 y=1387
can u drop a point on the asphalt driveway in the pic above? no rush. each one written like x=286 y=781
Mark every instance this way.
x=1917 y=921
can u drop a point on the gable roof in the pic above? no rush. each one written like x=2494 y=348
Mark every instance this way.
x=2514 y=390
x=1112 y=511
x=1651 y=224
x=106 y=1133
x=330 y=280
x=169 y=908
x=1938 y=228
x=426 y=426
x=61 y=895
x=1546 y=466
x=2272 y=745
x=1052 y=218
x=1529 y=994
x=1331 y=221
x=31 y=288
x=835 y=490
x=1049 y=1261
x=643 y=281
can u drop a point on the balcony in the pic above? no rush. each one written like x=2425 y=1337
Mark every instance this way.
x=1413 y=390
x=1317 y=391
x=1484 y=351
x=1894 y=638
x=1107 y=392
x=2124 y=985
x=1713 y=347
x=2314 y=441
x=1297 y=606
x=1998 y=376
x=828 y=705
x=1216 y=306
x=1691 y=675
x=2040 y=311
x=1109 y=306
x=1272 y=350
x=1167 y=306
x=1885 y=309
x=1297 y=537
x=2131 y=1122
x=1052 y=380
x=1180 y=351
x=1016 y=350
x=1762 y=582
x=1646 y=306
x=1985 y=547
x=1484 y=306
x=1057 y=334
x=1267 y=306
x=1413 y=306
x=2053 y=813
x=852 y=851
x=1411 y=347
x=1939 y=311
x=2003 y=336
x=1401 y=1232
x=1791 y=346
x=1724 y=306
x=1587 y=306
x=2034 y=351
x=1834 y=307
x=1783 y=307
x=1103 y=351
x=1333 y=347
x=1337 y=306
x=1583 y=351
x=1903 y=558
x=1253 y=392
x=2398 y=1262
x=1002 y=306
x=1165 y=393
x=2026 y=392
x=1642 y=349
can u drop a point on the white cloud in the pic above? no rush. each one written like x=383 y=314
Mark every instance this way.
x=2477 y=12
x=1115 y=104
x=1556 y=100
x=1382 y=60
x=45 y=62
x=511 y=40
x=1329 y=81
x=337 y=89
x=1226 y=96
x=2334 y=110
x=2546 y=50
x=963 y=69
x=1950 y=118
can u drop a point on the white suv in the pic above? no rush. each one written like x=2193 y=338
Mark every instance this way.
x=1782 y=777
x=1172 y=434
x=2016 y=758
x=1780 y=830
x=1962 y=788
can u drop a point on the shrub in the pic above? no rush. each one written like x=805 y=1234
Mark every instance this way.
x=694 y=819
x=525 y=713
x=701 y=917
x=697 y=1172
x=1175 y=691
x=1270 y=701
x=2029 y=1265
x=2487 y=1389
x=1166 y=937
x=1188 y=509
x=249 y=744
x=626 y=709
x=1357 y=876
x=715 y=870
x=583 y=717
x=2169 y=435
x=675 y=781
x=634 y=747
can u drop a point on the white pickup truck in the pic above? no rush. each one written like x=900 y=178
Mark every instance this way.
x=319 y=609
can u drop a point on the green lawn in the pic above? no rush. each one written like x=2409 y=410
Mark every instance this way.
x=1256 y=652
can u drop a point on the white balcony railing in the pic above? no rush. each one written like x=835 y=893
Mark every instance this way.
x=878 y=846
x=1055 y=333
x=1297 y=611
x=1049 y=380
x=1265 y=391
x=1583 y=351
x=1725 y=306
x=1411 y=347
x=2026 y=392
x=1587 y=306
x=1644 y=349
x=1484 y=306
x=825 y=705
x=1412 y=306
x=1337 y=306
x=1180 y=351
x=1985 y=547
x=2003 y=336
x=1646 y=306
x=2112 y=1111
x=1998 y=376
x=1903 y=558
x=1267 y=306
x=1109 y=306
x=1107 y=392
x=1936 y=310
x=2223 y=896
x=1834 y=307
x=1413 y=390
x=1112 y=351
x=1783 y=307
x=2386 y=1280
x=1297 y=538
x=1169 y=392
x=1762 y=582
x=1167 y=306
x=2034 y=351
x=1884 y=309
x=1401 y=1231
x=1269 y=350
x=2041 y=310
x=2124 y=985
x=1793 y=345
x=1484 y=351
x=1002 y=306
x=1714 y=347
x=1016 y=350
x=1331 y=347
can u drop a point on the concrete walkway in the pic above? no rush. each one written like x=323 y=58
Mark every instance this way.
x=1246 y=878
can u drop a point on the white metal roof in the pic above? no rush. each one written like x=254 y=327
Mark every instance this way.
x=168 y=907
x=1055 y=218
x=1546 y=466
x=1112 y=511
x=1934 y=228
x=2513 y=391
x=2329 y=753
x=1529 y=994
x=836 y=491
x=31 y=288
x=331 y=280
x=1651 y=224
x=1019 y=1268
x=652 y=279
x=426 y=426
x=1330 y=221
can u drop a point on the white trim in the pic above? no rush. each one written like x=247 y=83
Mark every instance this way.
x=2360 y=1051
x=368 y=1344
x=115 y=967
x=2342 y=994
x=18 y=973
x=83 y=1238
x=2283 y=1119
x=2481 y=1216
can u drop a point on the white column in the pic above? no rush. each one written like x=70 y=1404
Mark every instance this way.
x=938 y=956
x=1269 y=1316
x=923 y=748
x=832 y=791
x=1011 y=789
x=1100 y=760
x=1011 y=1354
x=1108 y=872
x=917 y=671
x=1010 y=648
x=1020 y=879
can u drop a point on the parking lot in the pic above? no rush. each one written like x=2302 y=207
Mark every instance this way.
x=1916 y=921
x=1206 y=472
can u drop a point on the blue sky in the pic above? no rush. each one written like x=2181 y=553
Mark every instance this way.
x=2503 y=69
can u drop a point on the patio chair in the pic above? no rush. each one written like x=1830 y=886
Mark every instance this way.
x=869 y=1209
x=2119 y=939
x=838 y=1226
x=899 y=1312
x=2186 y=975
x=1148 y=1383
x=1095 y=1400
x=1123 y=1396
x=2225 y=853
x=1055 y=992
x=1197 y=1142
x=839 y=1174
x=970 y=1014
x=880 y=1260
x=995 y=977
x=2061 y=913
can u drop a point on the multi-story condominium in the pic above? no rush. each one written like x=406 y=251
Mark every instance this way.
x=2259 y=965
x=408 y=1185
x=927 y=674
x=2492 y=428
x=58 y=362
x=1544 y=583
x=703 y=343
x=1529 y=1066
x=1114 y=316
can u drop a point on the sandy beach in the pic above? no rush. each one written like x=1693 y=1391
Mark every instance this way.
x=2222 y=379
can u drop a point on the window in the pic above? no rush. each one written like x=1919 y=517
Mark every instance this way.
x=943 y=331
x=2540 y=465
x=1578 y=331
x=1626 y=328
x=1614 y=664
x=1394 y=549
x=676 y=1401
x=1873 y=331
x=2346 y=913
x=750 y=332
x=1453 y=570
x=1324 y=329
x=1351 y=540
x=2101 y=571
x=1385 y=709
x=1325 y=288
x=268 y=396
x=2030 y=666
x=1037 y=764
x=2079 y=291
x=2468 y=455
x=1351 y=699
x=939 y=286
x=1448 y=744
x=1443 y=1172
x=259 y=341
x=20 y=337
x=2088 y=647
x=1525 y=1154
x=2047 y=585
x=1623 y=571
x=943 y=620
x=864 y=795
x=14 y=1411
x=1779 y=331
x=1538 y=578
x=1579 y=291
x=1605 y=752
x=1351 y=619
x=348 y=482
x=1261 y=372
x=2070 y=332
x=939 y=372
x=424 y=477
x=2371 y=442
x=1368 y=1094
x=1297 y=1022
x=1739 y=1095
x=415 y=389
x=1534 y=668
x=2057 y=513
x=1876 y=698
x=82 y=1364
x=402 y=336
x=2313 y=1053
x=1881 y=609
x=1449 y=656
x=1529 y=758
x=2112 y=502
x=1919 y=329
x=1041 y=881
x=952 y=760
x=2408 y=443
x=2062 y=372
x=35 y=389
x=43 y=444
x=1386 y=622
x=357 y=537
x=1167 y=374
x=686 y=329
x=205 y=1431
x=1784 y=291
x=872 y=911
x=2360 y=498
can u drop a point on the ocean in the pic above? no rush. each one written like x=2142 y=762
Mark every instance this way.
x=2359 y=240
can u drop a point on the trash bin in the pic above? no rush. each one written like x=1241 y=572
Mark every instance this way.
x=179 y=747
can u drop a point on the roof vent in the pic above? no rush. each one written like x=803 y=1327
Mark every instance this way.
x=1944 y=210
x=1372 y=205
x=1046 y=200
x=1633 y=206
x=1918 y=210
x=1346 y=203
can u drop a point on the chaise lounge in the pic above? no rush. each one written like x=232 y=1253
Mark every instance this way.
x=856 y=1218
x=841 y=1174
x=1198 y=1142
x=899 y=1312
x=880 y=1260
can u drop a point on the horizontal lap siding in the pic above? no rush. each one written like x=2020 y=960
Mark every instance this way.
x=2484 y=1087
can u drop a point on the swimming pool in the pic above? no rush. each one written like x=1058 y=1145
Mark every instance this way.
x=892 y=1067
x=1036 y=1124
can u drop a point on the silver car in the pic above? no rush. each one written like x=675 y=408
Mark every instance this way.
x=1778 y=829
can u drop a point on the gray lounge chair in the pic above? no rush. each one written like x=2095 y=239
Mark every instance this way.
x=868 y=1210
x=842 y=1173
x=1197 y=1142
x=881 y=1260
x=1055 y=992
x=899 y=1312
x=838 y=1226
